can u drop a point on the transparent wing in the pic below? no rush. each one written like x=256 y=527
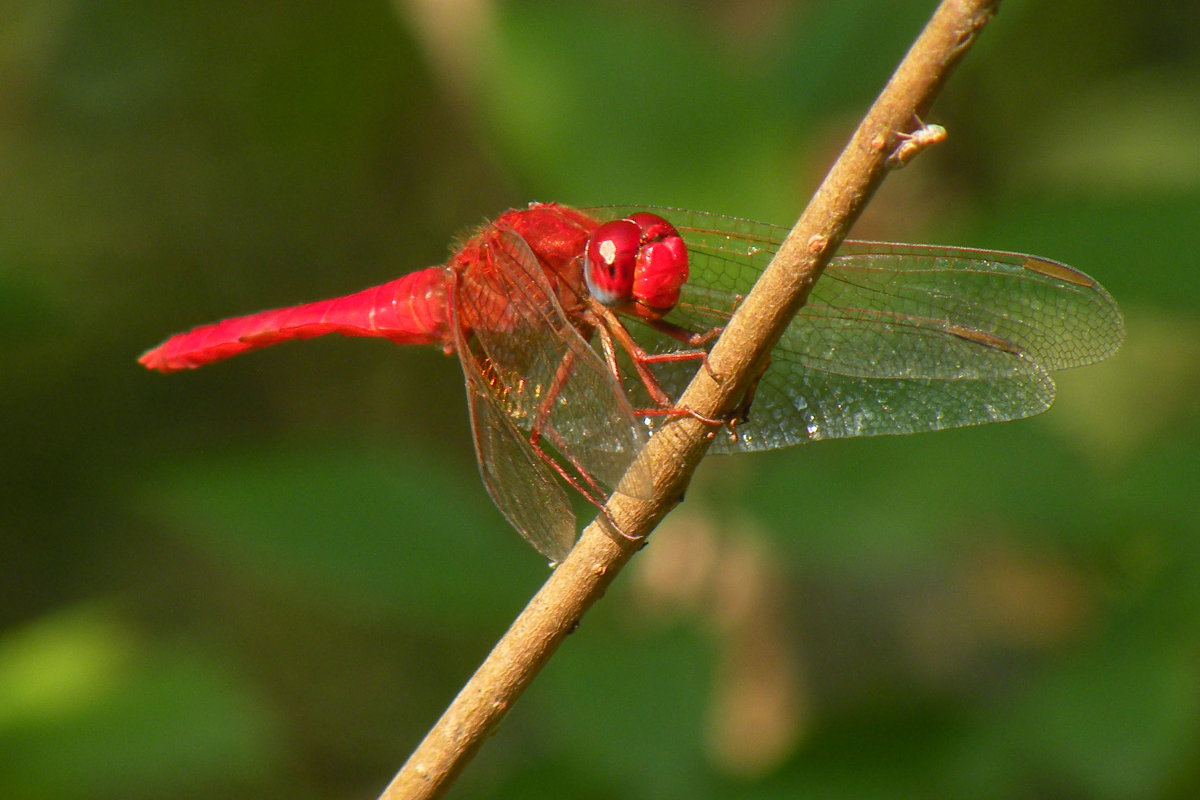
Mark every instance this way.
x=894 y=338
x=520 y=483
x=544 y=404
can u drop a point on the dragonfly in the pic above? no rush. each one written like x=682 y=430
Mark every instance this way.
x=577 y=328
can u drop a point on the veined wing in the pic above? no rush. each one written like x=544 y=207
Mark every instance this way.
x=895 y=338
x=529 y=369
x=520 y=483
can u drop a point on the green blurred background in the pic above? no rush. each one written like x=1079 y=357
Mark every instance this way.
x=266 y=578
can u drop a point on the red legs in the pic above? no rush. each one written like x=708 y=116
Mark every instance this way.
x=610 y=328
x=541 y=427
x=613 y=333
x=683 y=334
x=687 y=337
x=576 y=476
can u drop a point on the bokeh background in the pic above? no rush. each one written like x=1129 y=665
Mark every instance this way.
x=266 y=578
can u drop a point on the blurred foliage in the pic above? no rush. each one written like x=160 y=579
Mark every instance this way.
x=267 y=578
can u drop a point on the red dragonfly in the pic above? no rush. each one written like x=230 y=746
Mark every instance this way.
x=575 y=329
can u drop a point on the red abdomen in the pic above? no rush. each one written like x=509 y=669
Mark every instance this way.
x=409 y=310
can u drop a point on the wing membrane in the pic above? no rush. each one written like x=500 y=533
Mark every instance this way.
x=532 y=369
x=894 y=338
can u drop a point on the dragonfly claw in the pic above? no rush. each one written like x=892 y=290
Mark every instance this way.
x=616 y=529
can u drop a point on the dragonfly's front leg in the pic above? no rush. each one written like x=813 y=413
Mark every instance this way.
x=610 y=352
x=683 y=334
x=612 y=329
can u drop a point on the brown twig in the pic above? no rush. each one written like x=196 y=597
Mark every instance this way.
x=672 y=454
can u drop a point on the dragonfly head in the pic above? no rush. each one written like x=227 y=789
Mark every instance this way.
x=638 y=264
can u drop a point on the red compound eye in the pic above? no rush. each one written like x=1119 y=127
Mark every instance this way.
x=640 y=262
x=610 y=260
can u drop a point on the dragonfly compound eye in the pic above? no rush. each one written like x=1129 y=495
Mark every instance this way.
x=609 y=261
x=662 y=265
x=639 y=263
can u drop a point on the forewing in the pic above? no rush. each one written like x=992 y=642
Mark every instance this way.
x=894 y=338
x=537 y=373
x=520 y=483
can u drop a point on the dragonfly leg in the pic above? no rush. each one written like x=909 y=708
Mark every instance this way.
x=576 y=476
x=619 y=531
x=612 y=331
x=541 y=427
x=680 y=411
x=683 y=334
x=695 y=340
x=610 y=352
